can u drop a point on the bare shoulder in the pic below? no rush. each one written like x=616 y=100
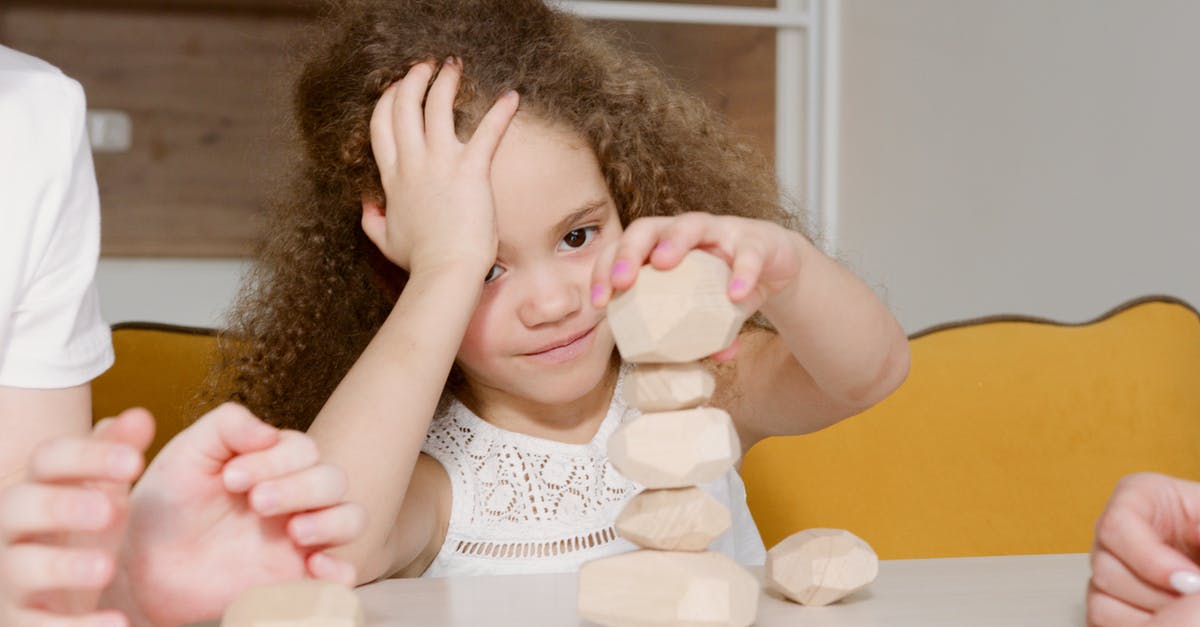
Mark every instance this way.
x=423 y=520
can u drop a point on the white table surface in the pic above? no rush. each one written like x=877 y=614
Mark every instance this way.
x=1009 y=591
x=1042 y=590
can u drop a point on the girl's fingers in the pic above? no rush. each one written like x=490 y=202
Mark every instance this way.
x=29 y=509
x=331 y=526
x=32 y=568
x=482 y=146
x=747 y=267
x=324 y=566
x=73 y=459
x=439 y=106
x=38 y=618
x=635 y=245
x=1113 y=578
x=310 y=488
x=1106 y=611
x=727 y=353
x=1183 y=611
x=408 y=111
x=292 y=452
x=224 y=433
x=601 y=291
x=383 y=131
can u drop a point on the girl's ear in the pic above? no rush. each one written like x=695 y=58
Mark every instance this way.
x=374 y=221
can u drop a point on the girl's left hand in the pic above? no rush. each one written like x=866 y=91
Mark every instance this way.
x=764 y=257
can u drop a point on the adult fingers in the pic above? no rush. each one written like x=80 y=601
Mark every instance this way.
x=331 y=526
x=28 y=509
x=1112 y=577
x=1106 y=611
x=28 y=569
x=292 y=451
x=74 y=459
x=133 y=427
x=39 y=618
x=307 y=489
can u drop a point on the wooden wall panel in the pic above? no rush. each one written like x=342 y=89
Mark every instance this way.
x=207 y=82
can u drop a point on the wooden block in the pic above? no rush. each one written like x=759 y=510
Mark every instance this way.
x=687 y=519
x=663 y=387
x=677 y=315
x=305 y=603
x=820 y=566
x=651 y=588
x=675 y=449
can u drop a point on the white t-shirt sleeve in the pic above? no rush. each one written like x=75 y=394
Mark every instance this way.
x=51 y=331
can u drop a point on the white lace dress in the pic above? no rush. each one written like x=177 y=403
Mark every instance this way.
x=524 y=505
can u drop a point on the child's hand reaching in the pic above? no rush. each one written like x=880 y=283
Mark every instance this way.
x=60 y=529
x=229 y=503
x=764 y=257
x=438 y=211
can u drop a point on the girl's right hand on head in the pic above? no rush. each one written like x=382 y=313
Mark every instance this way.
x=438 y=209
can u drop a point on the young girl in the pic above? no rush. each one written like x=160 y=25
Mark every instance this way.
x=479 y=177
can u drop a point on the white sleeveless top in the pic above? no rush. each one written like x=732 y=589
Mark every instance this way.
x=521 y=504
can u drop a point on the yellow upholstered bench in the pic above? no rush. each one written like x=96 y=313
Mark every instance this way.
x=1007 y=437
x=160 y=367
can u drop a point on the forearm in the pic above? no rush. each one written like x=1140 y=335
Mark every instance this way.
x=838 y=331
x=375 y=422
x=29 y=417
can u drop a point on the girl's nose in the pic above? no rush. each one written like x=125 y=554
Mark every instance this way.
x=550 y=298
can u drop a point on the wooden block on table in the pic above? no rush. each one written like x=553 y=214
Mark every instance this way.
x=820 y=566
x=663 y=387
x=688 y=519
x=677 y=315
x=304 y=603
x=675 y=449
x=650 y=588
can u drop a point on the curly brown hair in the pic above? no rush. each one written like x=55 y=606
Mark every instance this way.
x=320 y=289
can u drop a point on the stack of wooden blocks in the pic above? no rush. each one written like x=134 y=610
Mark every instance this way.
x=665 y=323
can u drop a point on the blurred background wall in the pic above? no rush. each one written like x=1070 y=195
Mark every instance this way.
x=1027 y=156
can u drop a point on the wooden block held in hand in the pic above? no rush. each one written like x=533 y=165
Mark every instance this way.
x=663 y=387
x=677 y=315
x=820 y=566
x=675 y=449
x=688 y=519
x=650 y=588
x=304 y=603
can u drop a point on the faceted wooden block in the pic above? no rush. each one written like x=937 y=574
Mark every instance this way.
x=652 y=588
x=676 y=315
x=820 y=566
x=675 y=449
x=673 y=520
x=306 y=603
x=662 y=387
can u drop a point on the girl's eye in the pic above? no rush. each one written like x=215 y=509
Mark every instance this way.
x=493 y=274
x=579 y=237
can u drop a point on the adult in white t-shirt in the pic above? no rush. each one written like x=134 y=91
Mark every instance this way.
x=52 y=338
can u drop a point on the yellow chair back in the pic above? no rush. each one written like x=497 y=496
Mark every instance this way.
x=160 y=367
x=1007 y=437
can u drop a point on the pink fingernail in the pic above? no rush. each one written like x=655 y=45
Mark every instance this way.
x=236 y=479
x=1185 y=582
x=662 y=246
x=621 y=267
x=737 y=286
x=597 y=292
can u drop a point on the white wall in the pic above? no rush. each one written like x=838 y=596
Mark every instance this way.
x=193 y=292
x=1024 y=156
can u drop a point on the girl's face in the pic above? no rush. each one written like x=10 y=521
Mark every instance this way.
x=535 y=334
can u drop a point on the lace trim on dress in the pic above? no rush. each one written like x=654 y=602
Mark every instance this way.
x=525 y=550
